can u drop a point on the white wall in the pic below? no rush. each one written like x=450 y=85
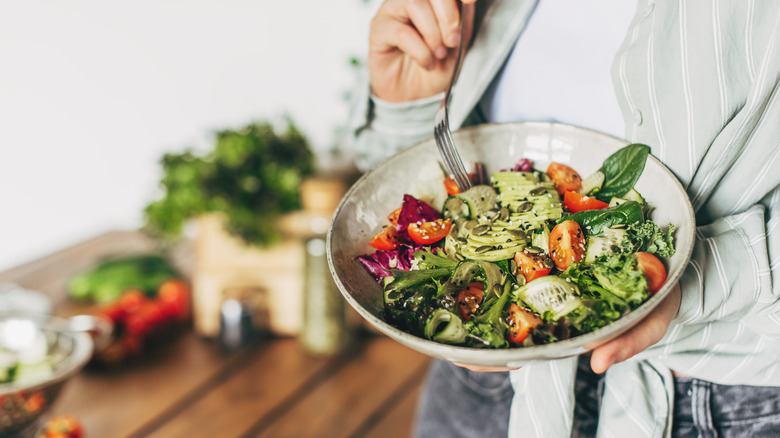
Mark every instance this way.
x=92 y=93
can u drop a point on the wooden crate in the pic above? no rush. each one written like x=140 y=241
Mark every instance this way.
x=271 y=278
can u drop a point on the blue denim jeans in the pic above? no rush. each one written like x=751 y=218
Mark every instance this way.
x=705 y=409
x=457 y=403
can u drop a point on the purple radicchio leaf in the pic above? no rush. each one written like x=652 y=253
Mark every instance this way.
x=413 y=210
x=524 y=165
x=379 y=262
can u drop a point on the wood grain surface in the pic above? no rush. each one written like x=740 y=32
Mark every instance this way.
x=191 y=388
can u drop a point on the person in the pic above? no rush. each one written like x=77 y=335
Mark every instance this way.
x=698 y=81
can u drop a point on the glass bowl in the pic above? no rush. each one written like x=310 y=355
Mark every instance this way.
x=42 y=353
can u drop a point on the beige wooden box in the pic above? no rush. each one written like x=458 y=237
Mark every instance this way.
x=271 y=278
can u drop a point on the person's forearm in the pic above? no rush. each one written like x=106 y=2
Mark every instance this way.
x=378 y=129
x=729 y=276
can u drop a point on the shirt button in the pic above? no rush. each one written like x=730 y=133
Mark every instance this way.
x=638 y=117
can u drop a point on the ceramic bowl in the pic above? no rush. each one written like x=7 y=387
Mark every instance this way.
x=363 y=211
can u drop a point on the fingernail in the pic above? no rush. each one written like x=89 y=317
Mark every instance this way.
x=453 y=39
x=441 y=52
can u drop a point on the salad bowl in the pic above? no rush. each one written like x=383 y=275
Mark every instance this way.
x=363 y=212
x=39 y=354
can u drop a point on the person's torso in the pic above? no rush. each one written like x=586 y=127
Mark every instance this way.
x=559 y=69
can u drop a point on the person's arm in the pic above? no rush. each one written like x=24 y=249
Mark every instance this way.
x=736 y=260
x=410 y=62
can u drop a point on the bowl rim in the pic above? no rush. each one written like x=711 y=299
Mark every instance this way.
x=521 y=355
x=82 y=350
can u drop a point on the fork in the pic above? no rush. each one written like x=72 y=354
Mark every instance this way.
x=453 y=163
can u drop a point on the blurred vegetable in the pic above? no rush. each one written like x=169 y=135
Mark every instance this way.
x=140 y=320
x=62 y=426
x=105 y=282
x=252 y=175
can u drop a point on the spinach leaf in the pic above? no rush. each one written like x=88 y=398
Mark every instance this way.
x=622 y=170
x=594 y=221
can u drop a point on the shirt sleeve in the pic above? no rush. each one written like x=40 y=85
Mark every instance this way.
x=736 y=261
x=379 y=129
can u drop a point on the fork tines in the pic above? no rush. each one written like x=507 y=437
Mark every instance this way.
x=452 y=160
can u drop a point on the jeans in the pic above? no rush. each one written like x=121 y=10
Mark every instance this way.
x=705 y=409
x=458 y=403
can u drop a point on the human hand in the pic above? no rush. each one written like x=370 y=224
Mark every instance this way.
x=646 y=333
x=411 y=42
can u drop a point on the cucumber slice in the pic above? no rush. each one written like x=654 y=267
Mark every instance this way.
x=540 y=238
x=550 y=294
x=592 y=184
x=465 y=272
x=470 y=203
x=615 y=201
x=493 y=275
x=445 y=327
x=603 y=244
x=633 y=195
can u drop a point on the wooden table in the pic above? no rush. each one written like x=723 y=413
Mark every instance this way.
x=192 y=389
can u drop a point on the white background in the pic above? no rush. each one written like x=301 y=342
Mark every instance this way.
x=92 y=93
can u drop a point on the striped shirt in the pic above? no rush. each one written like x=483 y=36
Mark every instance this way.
x=698 y=81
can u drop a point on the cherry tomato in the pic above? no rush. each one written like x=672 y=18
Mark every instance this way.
x=148 y=317
x=653 y=269
x=575 y=202
x=532 y=266
x=567 y=244
x=174 y=296
x=393 y=216
x=469 y=300
x=564 y=177
x=426 y=233
x=131 y=300
x=520 y=322
x=112 y=311
x=451 y=186
x=34 y=402
x=63 y=426
x=386 y=240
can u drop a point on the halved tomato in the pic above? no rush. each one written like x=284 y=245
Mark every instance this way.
x=520 y=322
x=567 y=244
x=451 y=186
x=426 y=233
x=469 y=299
x=575 y=202
x=565 y=178
x=386 y=239
x=653 y=269
x=532 y=266
x=393 y=216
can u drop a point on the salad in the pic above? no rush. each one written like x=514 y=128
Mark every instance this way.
x=528 y=257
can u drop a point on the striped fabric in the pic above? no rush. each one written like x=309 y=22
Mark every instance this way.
x=699 y=81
